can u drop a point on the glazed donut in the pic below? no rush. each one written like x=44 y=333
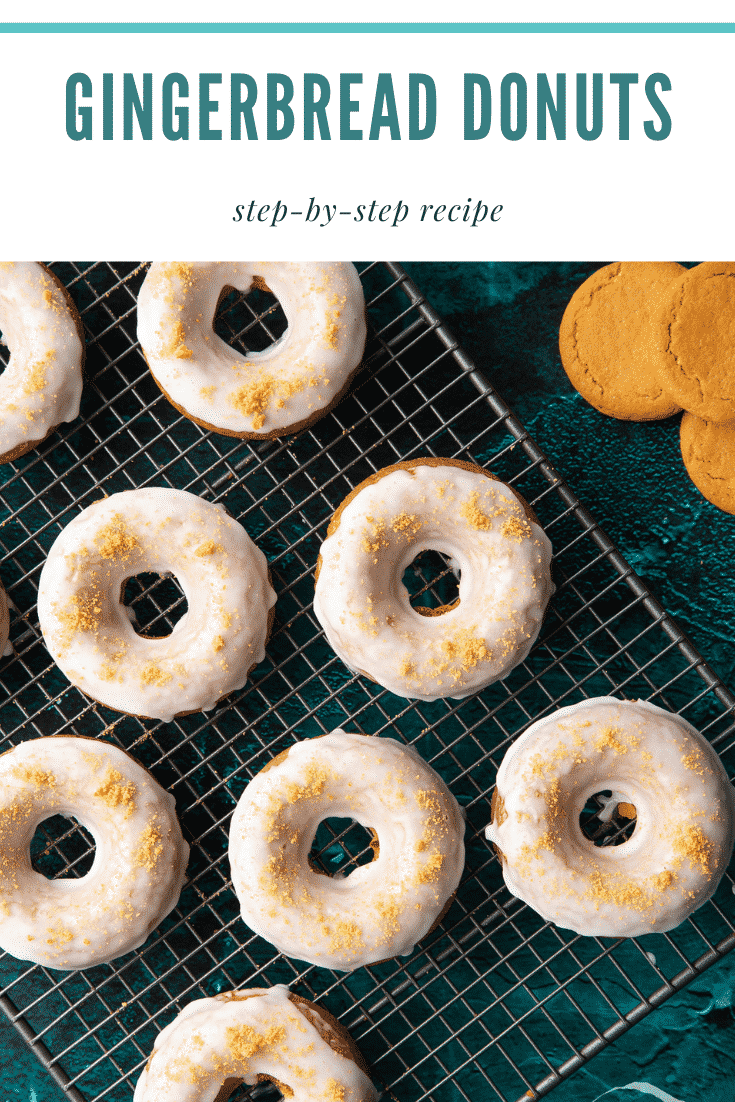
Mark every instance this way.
x=214 y=645
x=42 y=384
x=381 y=909
x=675 y=787
x=264 y=394
x=488 y=531
x=138 y=866
x=251 y=1035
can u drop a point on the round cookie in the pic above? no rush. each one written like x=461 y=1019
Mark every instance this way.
x=606 y=339
x=695 y=339
x=708 y=451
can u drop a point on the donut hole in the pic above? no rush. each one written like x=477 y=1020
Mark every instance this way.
x=252 y=322
x=155 y=603
x=235 y=1090
x=4 y=353
x=432 y=581
x=340 y=846
x=606 y=821
x=61 y=849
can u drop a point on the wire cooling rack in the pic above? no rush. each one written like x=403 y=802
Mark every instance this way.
x=495 y=1003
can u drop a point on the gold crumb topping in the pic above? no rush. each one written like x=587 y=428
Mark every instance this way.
x=114 y=541
x=691 y=842
x=208 y=547
x=149 y=848
x=345 y=935
x=116 y=792
x=59 y=936
x=374 y=538
x=464 y=650
x=33 y=774
x=35 y=379
x=516 y=528
x=334 y=1091
x=407 y=523
x=175 y=347
x=152 y=674
x=243 y=1042
x=473 y=514
x=253 y=398
x=331 y=328
x=80 y=613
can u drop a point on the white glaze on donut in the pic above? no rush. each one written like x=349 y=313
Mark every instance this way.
x=224 y=577
x=505 y=584
x=264 y=393
x=647 y=757
x=42 y=383
x=139 y=861
x=250 y=1035
x=383 y=908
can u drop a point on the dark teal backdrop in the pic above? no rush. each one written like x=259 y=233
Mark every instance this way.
x=632 y=479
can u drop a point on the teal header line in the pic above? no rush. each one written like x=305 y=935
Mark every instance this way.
x=367 y=28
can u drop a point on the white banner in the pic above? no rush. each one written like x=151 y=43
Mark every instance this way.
x=424 y=144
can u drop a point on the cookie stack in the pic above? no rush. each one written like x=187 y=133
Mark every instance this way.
x=640 y=341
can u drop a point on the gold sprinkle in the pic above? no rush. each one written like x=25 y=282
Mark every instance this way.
x=149 y=848
x=114 y=541
x=152 y=674
x=516 y=529
x=473 y=514
x=209 y=547
x=116 y=794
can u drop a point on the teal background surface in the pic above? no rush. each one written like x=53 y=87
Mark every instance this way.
x=631 y=478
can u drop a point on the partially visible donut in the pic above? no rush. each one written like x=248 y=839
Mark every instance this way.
x=42 y=384
x=497 y=547
x=264 y=394
x=211 y=649
x=665 y=775
x=139 y=862
x=251 y=1035
x=383 y=908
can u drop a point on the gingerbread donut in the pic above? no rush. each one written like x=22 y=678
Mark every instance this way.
x=670 y=781
x=138 y=866
x=211 y=649
x=42 y=384
x=383 y=908
x=252 y=1035
x=263 y=394
x=500 y=553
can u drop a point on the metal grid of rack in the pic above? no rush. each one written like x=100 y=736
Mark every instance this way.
x=494 y=1001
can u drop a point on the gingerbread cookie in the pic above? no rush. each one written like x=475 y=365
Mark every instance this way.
x=696 y=341
x=606 y=339
x=708 y=451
